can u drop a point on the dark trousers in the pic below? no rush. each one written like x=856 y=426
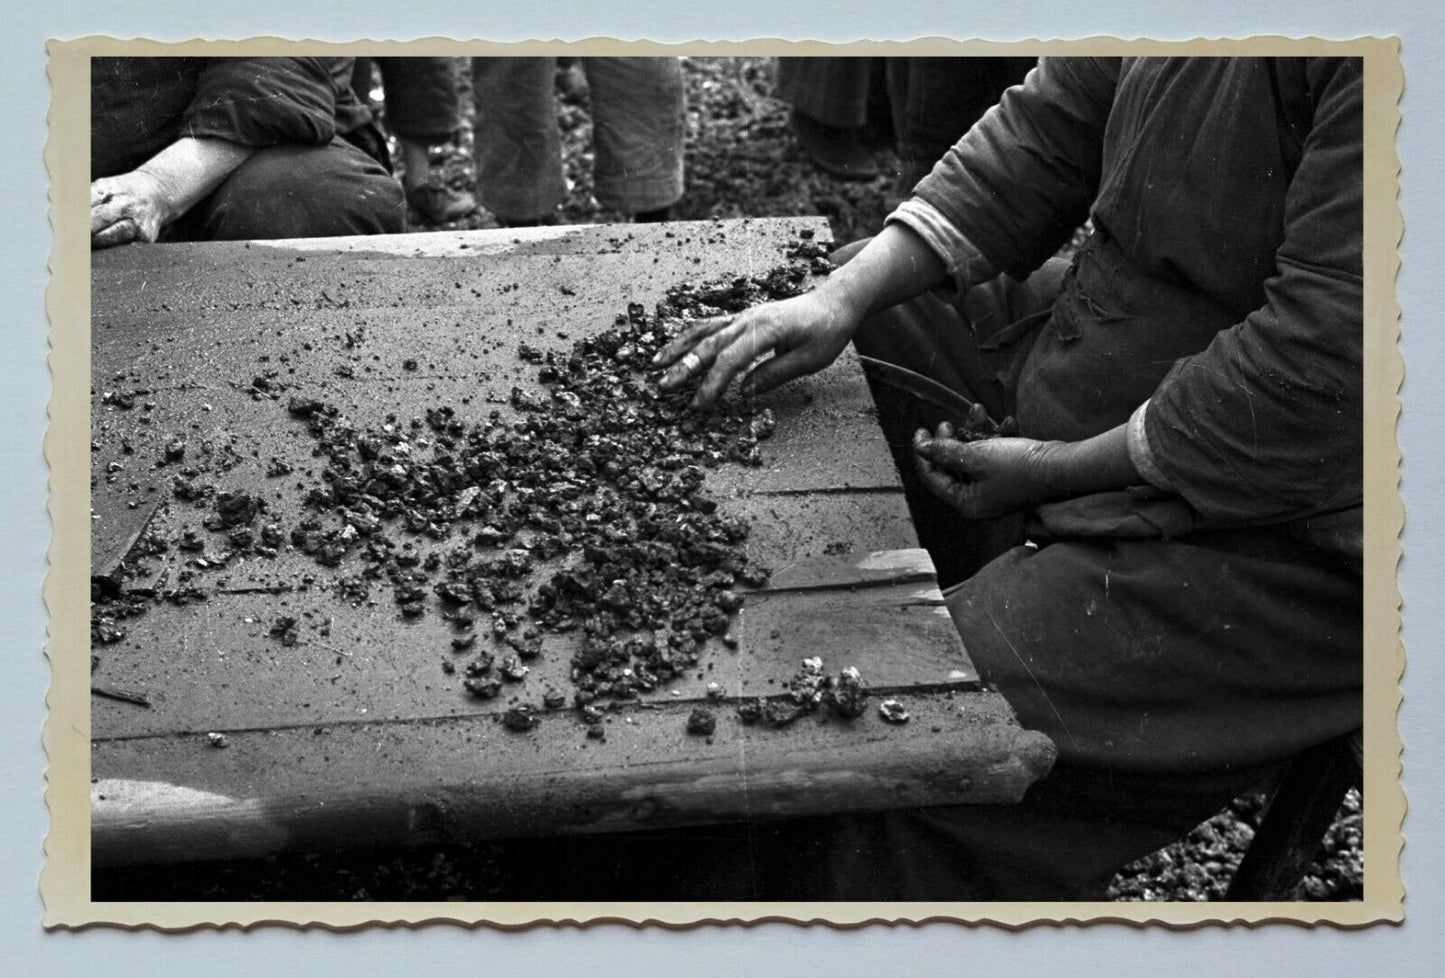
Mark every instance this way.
x=638 y=130
x=423 y=103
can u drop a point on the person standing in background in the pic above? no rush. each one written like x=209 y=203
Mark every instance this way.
x=638 y=127
x=932 y=102
x=423 y=109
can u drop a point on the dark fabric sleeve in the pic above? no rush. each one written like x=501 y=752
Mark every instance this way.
x=1266 y=422
x=1022 y=179
x=268 y=101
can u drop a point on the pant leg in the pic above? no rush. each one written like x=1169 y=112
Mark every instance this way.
x=638 y=130
x=362 y=78
x=422 y=101
x=833 y=91
x=518 y=147
x=293 y=191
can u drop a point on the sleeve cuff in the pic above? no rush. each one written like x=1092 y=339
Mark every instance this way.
x=966 y=265
x=1141 y=454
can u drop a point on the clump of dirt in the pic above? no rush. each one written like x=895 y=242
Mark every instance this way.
x=521 y=718
x=978 y=426
x=701 y=722
x=893 y=711
x=809 y=690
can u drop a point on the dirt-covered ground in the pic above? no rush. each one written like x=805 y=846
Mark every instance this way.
x=741 y=161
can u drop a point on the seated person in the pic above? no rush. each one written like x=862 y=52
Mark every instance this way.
x=232 y=148
x=1186 y=614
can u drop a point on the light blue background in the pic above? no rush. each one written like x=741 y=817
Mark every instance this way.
x=782 y=949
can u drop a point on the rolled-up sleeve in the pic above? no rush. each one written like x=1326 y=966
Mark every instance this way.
x=265 y=101
x=965 y=264
x=1266 y=422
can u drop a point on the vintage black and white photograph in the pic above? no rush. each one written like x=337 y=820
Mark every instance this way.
x=773 y=479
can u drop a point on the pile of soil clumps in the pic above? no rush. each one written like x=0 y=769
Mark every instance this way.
x=586 y=512
x=604 y=476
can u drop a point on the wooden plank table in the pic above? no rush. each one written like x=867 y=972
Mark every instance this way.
x=355 y=734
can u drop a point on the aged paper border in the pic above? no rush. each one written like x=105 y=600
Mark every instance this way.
x=65 y=880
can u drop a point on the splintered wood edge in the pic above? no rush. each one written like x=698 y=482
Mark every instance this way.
x=876 y=568
x=858 y=765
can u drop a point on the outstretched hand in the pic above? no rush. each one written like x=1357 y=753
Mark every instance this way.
x=135 y=206
x=125 y=208
x=804 y=334
x=987 y=478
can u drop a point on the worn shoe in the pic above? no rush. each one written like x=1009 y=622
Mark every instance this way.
x=836 y=151
x=439 y=203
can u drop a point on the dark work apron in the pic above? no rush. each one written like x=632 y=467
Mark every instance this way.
x=1113 y=334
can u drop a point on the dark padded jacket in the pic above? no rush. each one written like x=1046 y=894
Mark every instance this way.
x=1223 y=281
x=139 y=106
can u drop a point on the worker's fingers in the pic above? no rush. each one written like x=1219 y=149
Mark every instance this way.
x=944 y=484
x=696 y=361
x=121 y=232
x=730 y=355
x=107 y=212
x=683 y=342
x=947 y=452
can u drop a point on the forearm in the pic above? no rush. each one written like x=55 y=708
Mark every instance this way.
x=190 y=168
x=1098 y=464
x=894 y=267
x=993 y=476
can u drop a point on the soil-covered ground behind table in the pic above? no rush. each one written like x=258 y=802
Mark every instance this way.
x=741 y=162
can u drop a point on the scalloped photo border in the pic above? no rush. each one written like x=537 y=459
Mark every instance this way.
x=65 y=880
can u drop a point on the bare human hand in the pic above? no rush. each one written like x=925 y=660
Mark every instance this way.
x=128 y=207
x=986 y=478
x=804 y=334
